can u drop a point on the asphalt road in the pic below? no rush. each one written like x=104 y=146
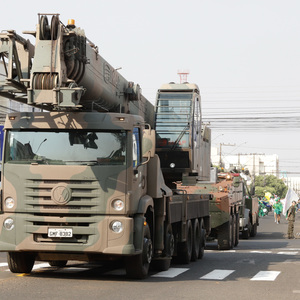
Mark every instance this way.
x=264 y=267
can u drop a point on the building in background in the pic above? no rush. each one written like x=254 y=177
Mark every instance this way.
x=256 y=163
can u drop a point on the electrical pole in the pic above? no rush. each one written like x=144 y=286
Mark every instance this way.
x=222 y=144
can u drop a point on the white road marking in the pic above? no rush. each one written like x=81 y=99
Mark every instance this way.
x=217 y=274
x=39 y=266
x=171 y=273
x=266 y=276
x=289 y=252
x=262 y=252
x=3 y=265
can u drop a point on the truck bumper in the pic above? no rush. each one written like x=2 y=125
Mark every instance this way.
x=92 y=234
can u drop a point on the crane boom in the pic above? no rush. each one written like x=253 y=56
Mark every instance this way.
x=65 y=71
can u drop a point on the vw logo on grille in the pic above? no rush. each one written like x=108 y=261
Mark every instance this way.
x=61 y=194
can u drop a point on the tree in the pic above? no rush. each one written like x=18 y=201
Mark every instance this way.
x=270 y=183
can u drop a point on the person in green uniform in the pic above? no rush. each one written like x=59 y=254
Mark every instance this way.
x=277 y=210
x=291 y=214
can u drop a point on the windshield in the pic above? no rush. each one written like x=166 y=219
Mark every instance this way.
x=173 y=116
x=73 y=147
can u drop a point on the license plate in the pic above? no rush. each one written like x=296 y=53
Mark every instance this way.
x=60 y=232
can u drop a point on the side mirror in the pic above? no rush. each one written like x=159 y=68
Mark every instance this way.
x=148 y=145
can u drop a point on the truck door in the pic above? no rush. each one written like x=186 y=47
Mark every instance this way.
x=139 y=179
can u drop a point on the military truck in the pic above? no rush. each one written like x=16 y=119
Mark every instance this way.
x=249 y=211
x=233 y=209
x=224 y=208
x=81 y=179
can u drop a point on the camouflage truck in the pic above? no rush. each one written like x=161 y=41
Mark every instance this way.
x=224 y=208
x=80 y=178
x=233 y=209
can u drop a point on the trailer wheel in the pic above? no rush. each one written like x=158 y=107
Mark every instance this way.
x=233 y=230
x=137 y=266
x=253 y=231
x=225 y=235
x=237 y=233
x=246 y=231
x=196 y=240
x=19 y=262
x=202 y=240
x=57 y=263
x=169 y=241
x=185 y=248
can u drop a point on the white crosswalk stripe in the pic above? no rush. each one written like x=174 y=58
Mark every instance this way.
x=265 y=276
x=217 y=274
x=171 y=273
x=3 y=265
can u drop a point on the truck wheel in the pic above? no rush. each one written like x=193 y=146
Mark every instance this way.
x=185 y=248
x=163 y=263
x=137 y=266
x=196 y=240
x=253 y=231
x=246 y=231
x=225 y=236
x=237 y=233
x=19 y=262
x=202 y=240
x=169 y=242
x=57 y=263
x=233 y=230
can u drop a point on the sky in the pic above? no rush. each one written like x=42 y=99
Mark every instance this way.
x=243 y=54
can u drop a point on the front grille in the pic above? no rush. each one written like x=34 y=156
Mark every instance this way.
x=85 y=195
x=78 y=213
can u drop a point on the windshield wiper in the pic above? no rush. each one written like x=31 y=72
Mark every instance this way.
x=180 y=136
x=83 y=162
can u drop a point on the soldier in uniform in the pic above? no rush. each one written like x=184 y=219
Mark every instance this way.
x=291 y=214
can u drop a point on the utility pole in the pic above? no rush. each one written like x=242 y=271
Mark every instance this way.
x=254 y=164
x=222 y=144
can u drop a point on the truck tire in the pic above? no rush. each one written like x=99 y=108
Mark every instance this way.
x=169 y=242
x=202 y=240
x=163 y=263
x=237 y=233
x=246 y=231
x=58 y=263
x=185 y=248
x=19 y=262
x=137 y=266
x=253 y=231
x=196 y=240
x=225 y=235
x=233 y=230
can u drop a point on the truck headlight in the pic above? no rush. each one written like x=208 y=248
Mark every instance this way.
x=116 y=226
x=118 y=205
x=8 y=224
x=9 y=203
